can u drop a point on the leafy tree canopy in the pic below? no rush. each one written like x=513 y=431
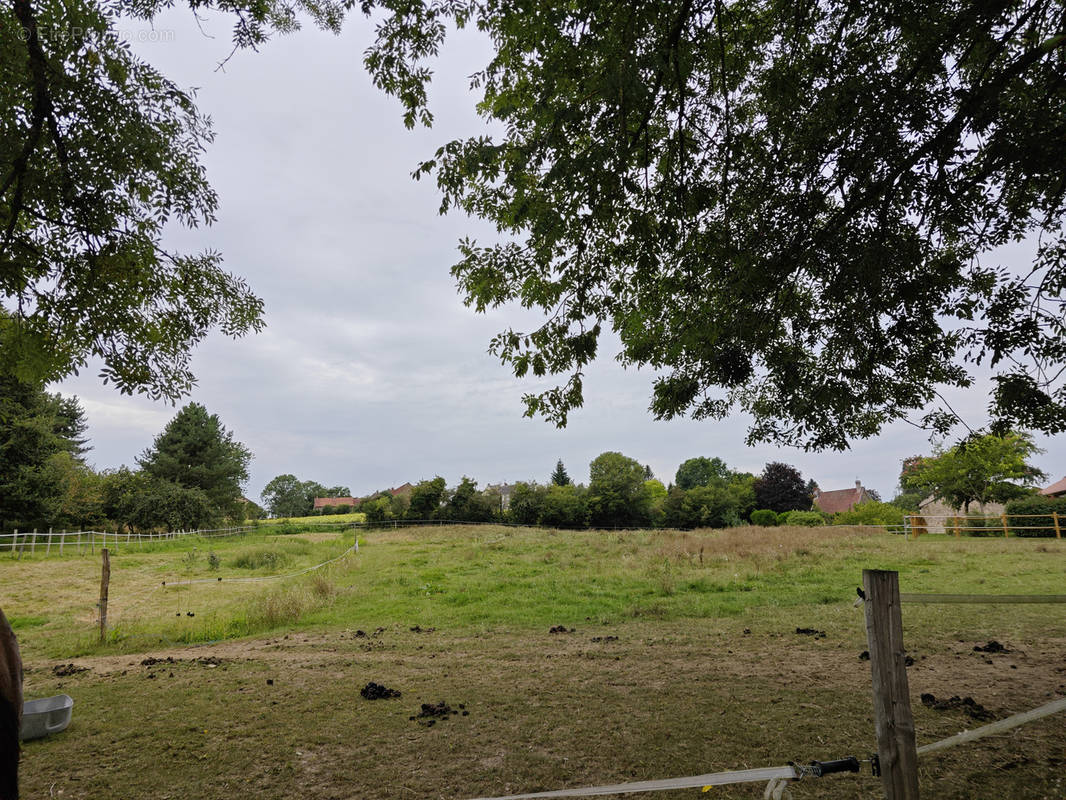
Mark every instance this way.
x=426 y=499
x=617 y=495
x=981 y=469
x=41 y=442
x=700 y=471
x=781 y=488
x=786 y=210
x=98 y=152
x=288 y=496
x=195 y=451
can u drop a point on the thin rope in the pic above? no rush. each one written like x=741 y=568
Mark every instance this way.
x=354 y=547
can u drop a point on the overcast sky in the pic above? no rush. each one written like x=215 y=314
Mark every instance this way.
x=371 y=372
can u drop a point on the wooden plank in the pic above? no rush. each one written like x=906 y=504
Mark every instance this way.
x=893 y=720
x=983 y=598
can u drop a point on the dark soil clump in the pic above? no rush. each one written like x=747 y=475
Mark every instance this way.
x=604 y=639
x=992 y=647
x=560 y=629
x=971 y=707
x=431 y=712
x=65 y=670
x=150 y=661
x=420 y=629
x=817 y=634
x=375 y=691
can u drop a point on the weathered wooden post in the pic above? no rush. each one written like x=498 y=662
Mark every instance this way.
x=1058 y=530
x=105 y=580
x=893 y=720
x=1006 y=531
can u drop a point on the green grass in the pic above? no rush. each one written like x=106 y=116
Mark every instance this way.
x=707 y=672
x=355 y=516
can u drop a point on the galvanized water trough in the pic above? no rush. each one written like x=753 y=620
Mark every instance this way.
x=44 y=717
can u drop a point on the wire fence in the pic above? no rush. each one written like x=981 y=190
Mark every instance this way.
x=61 y=543
x=1004 y=525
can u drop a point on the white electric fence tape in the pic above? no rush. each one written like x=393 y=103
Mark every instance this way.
x=995 y=727
x=779 y=776
x=694 y=782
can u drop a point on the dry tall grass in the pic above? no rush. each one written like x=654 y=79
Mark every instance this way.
x=759 y=544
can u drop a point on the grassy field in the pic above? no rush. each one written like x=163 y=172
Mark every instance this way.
x=355 y=516
x=680 y=656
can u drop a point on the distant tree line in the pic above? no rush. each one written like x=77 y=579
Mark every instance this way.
x=191 y=476
x=621 y=492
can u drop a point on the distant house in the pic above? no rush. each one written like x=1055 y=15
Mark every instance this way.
x=938 y=515
x=406 y=489
x=322 y=502
x=840 y=500
x=1057 y=489
x=505 y=490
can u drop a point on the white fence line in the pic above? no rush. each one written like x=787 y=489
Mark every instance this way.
x=18 y=543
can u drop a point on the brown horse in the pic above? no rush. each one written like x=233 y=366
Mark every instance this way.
x=10 y=710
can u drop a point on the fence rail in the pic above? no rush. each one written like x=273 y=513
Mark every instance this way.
x=61 y=542
x=1006 y=525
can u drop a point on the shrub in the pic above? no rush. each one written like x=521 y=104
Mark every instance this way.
x=213 y=561
x=1042 y=526
x=978 y=525
x=782 y=517
x=806 y=519
x=260 y=558
x=871 y=513
x=764 y=517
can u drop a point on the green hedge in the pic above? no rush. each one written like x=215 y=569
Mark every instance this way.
x=1037 y=504
x=806 y=519
x=764 y=517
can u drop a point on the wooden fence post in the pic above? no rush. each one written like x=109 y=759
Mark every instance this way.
x=893 y=720
x=956 y=527
x=105 y=580
x=1058 y=530
x=1003 y=519
x=14 y=541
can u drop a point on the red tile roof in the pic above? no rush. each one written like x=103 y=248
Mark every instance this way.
x=1057 y=488
x=322 y=502
x=840 y=499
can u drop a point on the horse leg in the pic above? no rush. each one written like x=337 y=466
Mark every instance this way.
x=10 y=711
